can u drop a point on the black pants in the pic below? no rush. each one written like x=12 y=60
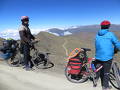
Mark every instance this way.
x=104 y=72
x=26 y=53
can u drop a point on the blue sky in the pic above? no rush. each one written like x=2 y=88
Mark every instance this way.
x=58 y=13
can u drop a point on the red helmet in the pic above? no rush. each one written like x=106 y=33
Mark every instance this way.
x=24 y=18
x=105 y=22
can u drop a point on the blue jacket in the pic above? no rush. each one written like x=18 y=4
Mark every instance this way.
x=104 y=44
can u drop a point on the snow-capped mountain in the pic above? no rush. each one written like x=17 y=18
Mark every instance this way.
x=78 y=29
x=59 y=32
x=12 y=33
x=67 y=33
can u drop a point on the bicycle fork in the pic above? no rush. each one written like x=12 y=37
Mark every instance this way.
x=93 y=75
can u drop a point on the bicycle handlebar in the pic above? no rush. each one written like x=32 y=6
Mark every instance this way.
x=86 y=49
x=32 y=45
x=34 y=42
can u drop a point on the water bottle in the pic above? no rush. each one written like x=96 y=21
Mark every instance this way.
x=93 y=67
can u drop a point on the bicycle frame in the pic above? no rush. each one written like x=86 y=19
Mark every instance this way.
x=89 y=72
x=115 y=72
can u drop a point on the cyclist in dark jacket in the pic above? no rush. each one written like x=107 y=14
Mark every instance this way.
x=104 y=44
x=26 y=38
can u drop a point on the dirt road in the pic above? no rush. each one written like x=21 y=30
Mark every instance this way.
x=64 y=46
x=16 y=78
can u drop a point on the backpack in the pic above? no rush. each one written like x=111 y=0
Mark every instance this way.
x=10 y=44
x=75 y=62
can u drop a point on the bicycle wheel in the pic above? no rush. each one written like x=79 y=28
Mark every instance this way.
x=116 y=75
x=14 y=61
x=113 y=80
x=41 y=60
x=80 y=78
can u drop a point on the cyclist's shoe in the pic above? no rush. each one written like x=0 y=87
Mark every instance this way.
x=27 y=68
x=31 y=65
x=108 y=88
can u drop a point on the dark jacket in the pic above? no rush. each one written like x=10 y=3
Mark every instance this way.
x=25 y=34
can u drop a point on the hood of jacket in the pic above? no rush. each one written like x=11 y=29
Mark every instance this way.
x=102 y=32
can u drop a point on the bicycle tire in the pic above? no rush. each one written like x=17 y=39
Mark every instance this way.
x=113 y=80
x=39 y=63
x=49 y=65
x=116 y=74
x=79 y=80
x=15 y=60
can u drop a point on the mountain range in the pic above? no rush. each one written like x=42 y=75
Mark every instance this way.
x=74 y=30
x=59 y=32
x=61 y=46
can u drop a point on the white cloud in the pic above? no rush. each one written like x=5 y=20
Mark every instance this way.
x=12 y=33
x=36 y=31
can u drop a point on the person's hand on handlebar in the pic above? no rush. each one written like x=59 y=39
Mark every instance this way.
x=37 y=40
x=82 y=50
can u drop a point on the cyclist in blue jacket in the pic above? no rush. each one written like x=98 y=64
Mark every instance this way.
x=104 y=51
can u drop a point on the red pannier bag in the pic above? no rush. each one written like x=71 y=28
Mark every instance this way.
x=74 y=66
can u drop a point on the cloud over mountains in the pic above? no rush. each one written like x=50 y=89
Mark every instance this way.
x=12 y=33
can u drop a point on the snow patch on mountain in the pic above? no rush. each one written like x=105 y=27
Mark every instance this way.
x=67 y=33
x=53 y=33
